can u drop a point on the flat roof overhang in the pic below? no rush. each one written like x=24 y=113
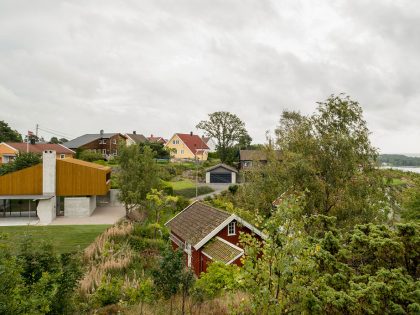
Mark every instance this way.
x=25 y=197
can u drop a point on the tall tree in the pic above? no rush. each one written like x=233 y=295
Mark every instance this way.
x=137 y=175
x=328 y=157
x=7 y=134
x=227 y=129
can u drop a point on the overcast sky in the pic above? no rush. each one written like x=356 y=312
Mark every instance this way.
x=159 y=67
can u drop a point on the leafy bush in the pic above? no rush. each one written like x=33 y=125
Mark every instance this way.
x=109 y=292
x=90 y=156
x=23 y=160
x=218 y=278
x=233 y=189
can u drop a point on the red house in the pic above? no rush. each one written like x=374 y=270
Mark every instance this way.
x=208 y=234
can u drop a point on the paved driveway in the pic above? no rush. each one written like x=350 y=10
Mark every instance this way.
x=101 y=215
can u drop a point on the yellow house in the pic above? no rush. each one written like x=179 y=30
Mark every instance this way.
x=9 y=150
x=187 y=146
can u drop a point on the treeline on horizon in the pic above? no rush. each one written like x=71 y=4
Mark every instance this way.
x=399 y=160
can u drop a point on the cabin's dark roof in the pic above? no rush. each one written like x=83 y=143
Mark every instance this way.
x=196 y=221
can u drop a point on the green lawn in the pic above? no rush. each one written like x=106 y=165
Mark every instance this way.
x=65 y=238
x=182 y=184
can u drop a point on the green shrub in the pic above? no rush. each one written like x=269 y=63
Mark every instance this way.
x=109 y=292
x=23 y=160
x=218 y=279
x=90 y=156
x=233 y=189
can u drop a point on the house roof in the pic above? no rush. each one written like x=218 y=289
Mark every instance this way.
x=197 y=221
x=193 y=142
x=87 y=138
x=230 y=168
x=137 y=138
x=255 y=155
x=88 y=164
x=220 y=250
x=39 y=147
x=156 y=139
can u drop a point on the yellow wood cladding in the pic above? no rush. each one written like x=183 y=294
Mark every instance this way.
x=78 y=178
x=74 y=178
x=24 y=182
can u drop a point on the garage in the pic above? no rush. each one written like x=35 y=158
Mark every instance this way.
x=221 y=174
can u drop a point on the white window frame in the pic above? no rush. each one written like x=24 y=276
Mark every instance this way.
x=62 y=156
x=104 y=151
x=182 y=151
x=114 y=141
x=230 y=225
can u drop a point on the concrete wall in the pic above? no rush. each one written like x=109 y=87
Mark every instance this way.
x=79 y=206
x=46 y=210
x=48 y=172
x=113 y=197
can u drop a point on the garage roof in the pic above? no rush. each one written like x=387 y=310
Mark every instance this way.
x=229 y=168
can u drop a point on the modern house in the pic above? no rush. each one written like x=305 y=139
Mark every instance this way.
x=250 y=158
x=78 y=182
x=206 y=234
x=210 y=143
x=135 y=138
x=187 y=146
x=153 y=138
x=9 y=150
x=221 y=173
x=104 y=143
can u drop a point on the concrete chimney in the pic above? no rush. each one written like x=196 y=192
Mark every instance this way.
x=191 y=133
x=101 y=132
x=49 y=172
x=134 y=132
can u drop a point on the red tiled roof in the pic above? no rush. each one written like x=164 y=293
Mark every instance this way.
x=193 y=142
x=40 y=147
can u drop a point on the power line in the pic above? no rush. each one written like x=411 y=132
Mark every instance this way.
x=55 y=133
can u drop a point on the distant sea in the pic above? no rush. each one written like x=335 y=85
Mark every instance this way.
x=404 y=168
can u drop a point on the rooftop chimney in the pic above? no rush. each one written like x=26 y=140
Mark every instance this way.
x=134 y=132
x=48 y=172
x=101 y=132
x=151 y=136
x=191 y=133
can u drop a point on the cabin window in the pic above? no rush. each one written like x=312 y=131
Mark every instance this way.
x=62 y=156
x=231 y=228
x=103 y=151
x=182 y=151
x=114 y=141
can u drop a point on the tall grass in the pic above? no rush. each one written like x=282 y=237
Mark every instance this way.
x=103 y=256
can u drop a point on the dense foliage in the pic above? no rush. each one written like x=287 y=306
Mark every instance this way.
x=138 y=174
x=229 y=132
x=89 y=155
x=399 y=160
x=7 y=134
x=37 y=280
x=22 y=160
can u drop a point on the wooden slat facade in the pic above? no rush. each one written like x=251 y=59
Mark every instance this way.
x=81 y=179
x=24 y=182
x=74 y=178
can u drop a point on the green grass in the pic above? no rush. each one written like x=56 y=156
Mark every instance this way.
x=65 y=238
x=182 y=184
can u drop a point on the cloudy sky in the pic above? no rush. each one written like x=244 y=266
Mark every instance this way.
x=160 y=67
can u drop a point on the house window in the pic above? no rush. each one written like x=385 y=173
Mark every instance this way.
x=104 y=151
x=102 y=141
x=114 y=141
x=231 y=228
x=115 y=152
x=62 y=156
x=182 y=151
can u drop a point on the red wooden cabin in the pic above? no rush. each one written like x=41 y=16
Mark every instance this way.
x=208 y=234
